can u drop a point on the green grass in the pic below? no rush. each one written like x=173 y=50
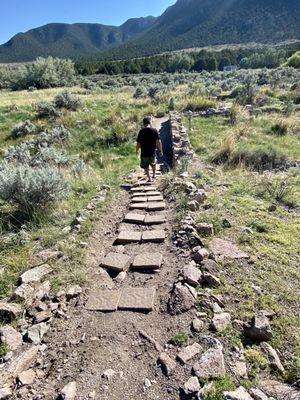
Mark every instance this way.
x=103 y=135
x=180 y=339
x=241 y=197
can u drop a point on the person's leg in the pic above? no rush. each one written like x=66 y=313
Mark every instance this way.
x=154 y=170
x=147 y=172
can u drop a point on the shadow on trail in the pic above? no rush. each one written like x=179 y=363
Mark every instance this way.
x=166 y=138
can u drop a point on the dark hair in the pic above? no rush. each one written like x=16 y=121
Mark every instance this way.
x=147 y=121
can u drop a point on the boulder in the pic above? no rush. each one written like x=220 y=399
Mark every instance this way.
x=221 y=321
x=197 y=325
x=24 y=293
x=181 y=300
x=193 y=205
x=200 y=196
x=211 y=280
x=272 y=356
x=192 y=386
x=69 y=391
x=192 y=275
x=257 y=394
x=36 y=274
x=238 y=394
x=189 y=352
x=9 y=311
x=211 y=364
x=73 y=292
x=210 y=266
x=220 y=247
x=278 y=390
x=36 y=333
x=199 y=254
x=259 y=329
x=5 y=393
x=11 y=337
x=205 y=229
x=26 y=377
x=167 y=363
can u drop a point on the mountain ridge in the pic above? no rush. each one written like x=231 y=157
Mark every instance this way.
x=186 y=24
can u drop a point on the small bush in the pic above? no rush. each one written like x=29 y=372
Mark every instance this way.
x=293 y=373
x=199 y=104
x=3 y=350
x=226 y=150
x=220 y=386
x=275 y=188
x=140 y=93
x=280 y=128
x=59 y=135
x=46 y=110
x=256 y=362
x=23 y=129
x=180 y=339
x=68 y=101
x=31 y=188
x=258 y=159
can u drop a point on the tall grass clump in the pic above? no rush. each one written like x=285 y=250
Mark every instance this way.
x=196 y=103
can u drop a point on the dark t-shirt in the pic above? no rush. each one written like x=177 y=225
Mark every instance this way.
x=147 y=139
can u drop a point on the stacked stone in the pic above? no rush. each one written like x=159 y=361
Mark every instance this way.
x=181 y=142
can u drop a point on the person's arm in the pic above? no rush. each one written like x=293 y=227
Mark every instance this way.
x=159 y=146
x=138 y=147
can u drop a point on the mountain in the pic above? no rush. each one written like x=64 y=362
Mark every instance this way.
x=186 y=24
x=70 y=40
x=197 y=23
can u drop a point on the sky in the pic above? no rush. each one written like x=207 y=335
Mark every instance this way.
x=22 y=15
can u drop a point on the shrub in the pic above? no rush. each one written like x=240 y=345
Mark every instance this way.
x=256 y=362
x=140 y=92
x=220 y=385
x=66 y=100
x=180 y=339
x=23 y=129
x=59 y=135
x=31 y=188
x=275 y=188
x=280 y=128
x=19 y=154
x=46 y=110
x=293 y=373
x=294 y=60
x=258 y=159
x=3 y=350
x=199 y=104
x=226 y=150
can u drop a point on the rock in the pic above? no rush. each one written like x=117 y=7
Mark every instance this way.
x=36 y=333
x=257 y=394
x=42 y=292
x=9 y=311
x=199 y=254
x=18 y=365
x=47 y=255
x=259 y=329
x=279 y=390
x=193 y=205
x=221 y=321
x=168 y=365
x=211 y=280
x=197 y=325
x=192 y=386
x=109 y=374
x=36 y=274
x=11 y=337
x=5 y=393
x=116 y=262
x=220 y=247
x=27 y=377
x=181 y=300
x=42 y=316
x=210 y=365
x=200 y=196
x=238 y=394
x=272 y=208
x=24 y=292
x=210 y=266
x=69 y=391
x=189 y=352
x=192 y=275
x=272 y=356
x=205 y=229
x=121 y=277
x=73 y=292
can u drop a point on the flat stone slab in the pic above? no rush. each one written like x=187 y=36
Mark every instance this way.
x=154 y=193
x=36 y=274
x=103 y=300
x=116 y=262
x=139 y=200
x=137 y=299
x=155 y=198
x=136 y=189
x=138 y=194
x=150 y=188
x=154 y=219
x=220 y=247
x=134 y=218
x=189 y=352
x=138 y=206
x=128 y=237
x=156 y=206
x=147 y=261
x=156 y=236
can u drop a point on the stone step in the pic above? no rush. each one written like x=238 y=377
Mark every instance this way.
x=151 y=199
x=139 y=199
x=134 y=218
x=129 y=299
x=155 y=199
x=138 y=206
x=155 y=236
x=154 y=219
x=116 y=262
x=147 y=261
x=126 y=237
x=156 y=206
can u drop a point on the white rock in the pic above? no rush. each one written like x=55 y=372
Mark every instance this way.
x=27 y=377
x=11 y=337
x=239 y=394
x=36 y=274
x=36 y=333
x=109 y=374
x=69 y=391
x=192 y=386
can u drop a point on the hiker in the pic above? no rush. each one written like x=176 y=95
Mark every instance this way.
x=147 y=142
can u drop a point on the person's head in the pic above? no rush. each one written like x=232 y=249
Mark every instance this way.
x=147 y=121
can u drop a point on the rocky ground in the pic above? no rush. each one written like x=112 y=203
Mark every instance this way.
x=153 y=331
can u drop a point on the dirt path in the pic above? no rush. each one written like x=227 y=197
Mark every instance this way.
x=89 y=343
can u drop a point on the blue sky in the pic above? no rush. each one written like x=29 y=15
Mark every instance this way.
x=22 y=15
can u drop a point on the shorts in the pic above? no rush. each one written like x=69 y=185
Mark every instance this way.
x=147 y=161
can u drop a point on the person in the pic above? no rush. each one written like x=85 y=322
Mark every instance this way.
x=147 y=142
